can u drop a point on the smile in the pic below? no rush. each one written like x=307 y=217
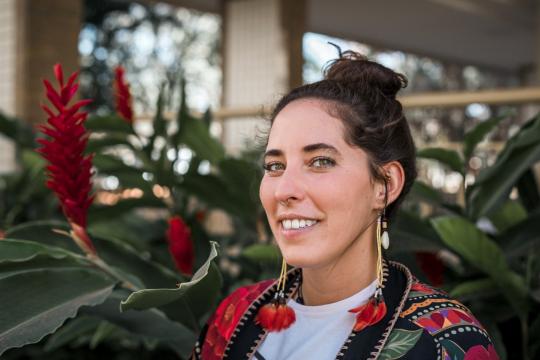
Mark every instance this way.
x=296 y=224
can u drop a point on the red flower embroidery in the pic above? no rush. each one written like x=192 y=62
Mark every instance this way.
x=223 y=322
x=68 y=169
x=418 y=286
x=123 y=95
x=479 y=352
x=370 y=313
x=180 y=245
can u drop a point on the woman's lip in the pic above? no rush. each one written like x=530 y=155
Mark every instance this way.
x=291 y=233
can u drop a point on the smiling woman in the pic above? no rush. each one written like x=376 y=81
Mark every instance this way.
x=339 y=160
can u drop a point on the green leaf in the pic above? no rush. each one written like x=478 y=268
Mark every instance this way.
x=508 y=215
x=522 y=238
x=399 y=343
x=195 y=135
x=149 y=298
x=27 y=318
x=42 y=232
x=116 y=253
x=21 y=132
x=262 y=253
x=108 y=124
x=477 y=134
x=474 y=288
x=467 y=240
x=409 y=233
x=22 y=250
x=150 y=323
x=447 y=157
x=102 y=332
x=493 y=184
x=70 y=331
x=483 y=253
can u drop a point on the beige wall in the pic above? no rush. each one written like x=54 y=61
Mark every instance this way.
x=7 y=56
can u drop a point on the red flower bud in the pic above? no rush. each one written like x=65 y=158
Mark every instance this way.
x=180 y=245
x=123 y=95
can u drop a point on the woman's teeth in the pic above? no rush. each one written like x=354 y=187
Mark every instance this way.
x=297 y=223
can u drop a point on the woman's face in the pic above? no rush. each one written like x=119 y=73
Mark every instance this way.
x=324 y=179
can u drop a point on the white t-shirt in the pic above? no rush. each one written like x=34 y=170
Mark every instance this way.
x=319 y=331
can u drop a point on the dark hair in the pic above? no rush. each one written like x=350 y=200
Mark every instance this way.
x=362 y=93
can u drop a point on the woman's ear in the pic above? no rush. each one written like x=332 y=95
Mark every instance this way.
x=395 y=180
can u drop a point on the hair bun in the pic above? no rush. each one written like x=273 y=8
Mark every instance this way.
x=354 y=70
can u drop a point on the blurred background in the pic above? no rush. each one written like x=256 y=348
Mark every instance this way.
x=473 y=68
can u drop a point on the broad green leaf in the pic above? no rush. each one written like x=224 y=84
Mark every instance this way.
x=483 y=253
x=149 y=298
x=102 y=332
x=108 y=124
x=493 y=184
x=447 y=157
x=474 y=288
x=195 y=135
x=19 y=131
x=522 y=238
x=22 y=250
x=262 y=253
x=41 y=262
x=150 y=323
x=42 y=232
x=467 y=240
x=477 y=134
x=508 y=215
x=409 y=233
x=36 y=304
x=70 y=331
x=116 y=253
x=399 y=343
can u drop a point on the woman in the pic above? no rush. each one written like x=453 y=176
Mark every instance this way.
x=339 y=160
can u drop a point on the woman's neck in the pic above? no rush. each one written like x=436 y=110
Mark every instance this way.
x=351 y=272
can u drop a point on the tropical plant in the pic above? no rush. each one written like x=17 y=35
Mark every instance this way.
x=489 y=240
x=112 y=277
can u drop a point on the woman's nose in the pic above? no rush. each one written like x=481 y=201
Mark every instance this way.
x=289 y=187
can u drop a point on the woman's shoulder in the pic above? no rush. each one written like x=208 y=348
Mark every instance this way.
x=454 y=330
x=220 y=327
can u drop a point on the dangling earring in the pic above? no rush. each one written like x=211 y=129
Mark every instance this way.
x=277 y=315
x=374 y=310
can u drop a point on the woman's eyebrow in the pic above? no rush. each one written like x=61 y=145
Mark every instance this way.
x=307 y=149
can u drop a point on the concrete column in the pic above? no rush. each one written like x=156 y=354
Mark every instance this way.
x=262 y=59
x=48 y=32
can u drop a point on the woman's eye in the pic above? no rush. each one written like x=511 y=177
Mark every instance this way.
x=322 y=162
x=273 y=166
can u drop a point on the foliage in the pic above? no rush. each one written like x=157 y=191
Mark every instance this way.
x=130 y=298
x=489 y=241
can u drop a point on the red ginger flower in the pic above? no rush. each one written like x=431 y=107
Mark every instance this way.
x=69 y=170
x=370 y=313
x=123 y=95
x=180 y=245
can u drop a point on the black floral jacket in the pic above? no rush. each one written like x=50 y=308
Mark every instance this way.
x=421 y=323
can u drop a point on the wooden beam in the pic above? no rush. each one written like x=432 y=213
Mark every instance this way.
x=525 y=95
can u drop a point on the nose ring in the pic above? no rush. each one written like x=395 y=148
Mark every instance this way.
x=285 y=202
